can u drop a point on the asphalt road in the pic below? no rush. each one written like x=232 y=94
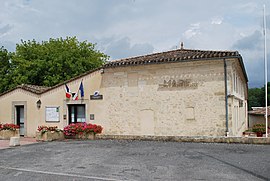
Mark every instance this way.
x=134 y=160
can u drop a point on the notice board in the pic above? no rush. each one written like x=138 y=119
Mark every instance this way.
x=52 y=114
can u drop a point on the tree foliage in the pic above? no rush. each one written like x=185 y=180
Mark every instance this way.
x=49 y=62
x=256 y=97
x=5 y=75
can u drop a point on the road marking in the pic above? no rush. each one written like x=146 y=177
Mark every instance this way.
x=17 y=174
x=60 y=174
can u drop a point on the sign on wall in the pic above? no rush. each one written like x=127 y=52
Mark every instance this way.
x=52 y=114
x=96 y=96
x=172 y=83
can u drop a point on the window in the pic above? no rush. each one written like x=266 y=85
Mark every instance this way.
x=236 y=117
x=190 y=113
x=76 y=113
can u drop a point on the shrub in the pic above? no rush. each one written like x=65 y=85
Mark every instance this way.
x=259 y=128
x=81 y=128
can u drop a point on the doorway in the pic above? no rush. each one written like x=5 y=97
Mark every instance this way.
x=76 y=113
x=20 y=119
x=147 y=121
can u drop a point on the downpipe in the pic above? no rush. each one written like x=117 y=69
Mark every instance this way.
x=226 y=97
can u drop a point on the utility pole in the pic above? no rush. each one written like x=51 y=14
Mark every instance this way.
x=265 y=72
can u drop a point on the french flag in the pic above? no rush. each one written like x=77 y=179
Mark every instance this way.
x=81 y=89
x=68 y=93
x=75 y=96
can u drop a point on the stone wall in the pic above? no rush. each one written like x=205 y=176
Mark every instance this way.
x=194 y=139
x=176 y=99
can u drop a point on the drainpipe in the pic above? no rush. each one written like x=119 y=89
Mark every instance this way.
x=226 y=96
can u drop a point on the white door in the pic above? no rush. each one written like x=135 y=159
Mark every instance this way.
x=147 y=122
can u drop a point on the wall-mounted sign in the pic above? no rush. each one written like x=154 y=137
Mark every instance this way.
x=92 y=116
x=52 y=114
x=178 y=83
x=96 y=96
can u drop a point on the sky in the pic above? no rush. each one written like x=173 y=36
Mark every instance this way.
x=125 y=28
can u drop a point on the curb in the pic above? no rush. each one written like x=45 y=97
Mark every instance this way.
x=195 y=139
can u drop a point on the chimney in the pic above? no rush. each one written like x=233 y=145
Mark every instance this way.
x=182 y=45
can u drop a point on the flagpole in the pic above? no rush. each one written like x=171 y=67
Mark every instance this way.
x=265 y=72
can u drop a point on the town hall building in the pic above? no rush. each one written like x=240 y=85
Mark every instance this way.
x=181 y=92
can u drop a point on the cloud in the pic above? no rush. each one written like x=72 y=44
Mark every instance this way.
x=123 y=28
x=248 y=7
x=211 y=33
x=4 y=29
x=123 y=48
x=10 y=46
x=192 y=31
x=217 y=20
x=254 y=64
x=251 y=48
x=250 y=42
x=268 y=22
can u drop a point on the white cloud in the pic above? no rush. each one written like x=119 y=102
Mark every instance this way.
x=123 y=48
x=4 y=29
x=142 y=26
x=216 y=20
x=192 y=31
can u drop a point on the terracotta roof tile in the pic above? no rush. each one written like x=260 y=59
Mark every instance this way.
x=34 y=88
x=179 y=55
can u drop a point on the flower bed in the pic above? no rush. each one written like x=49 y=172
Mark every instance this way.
x=9 y=130
x=82 y=131
x=49 y=133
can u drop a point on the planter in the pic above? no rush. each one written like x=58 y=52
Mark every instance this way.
x=7 y=134
x=83 y=136
x=70 y=137
x=49 y=136
x=259 y=134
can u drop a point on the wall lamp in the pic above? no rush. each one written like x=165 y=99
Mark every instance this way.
x=102 y=71
x=38 y=103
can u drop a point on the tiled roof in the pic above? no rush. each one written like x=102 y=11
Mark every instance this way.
x=259 y=111
x=31 y=88
x=178 y=55
x=34 y=88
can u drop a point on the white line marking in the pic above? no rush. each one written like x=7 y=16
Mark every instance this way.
x=17 y=174
x=60 y=174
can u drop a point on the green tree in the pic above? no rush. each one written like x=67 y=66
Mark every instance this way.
x=51 y=62
x=5 y=75
x=263 y=94
x=256 y=96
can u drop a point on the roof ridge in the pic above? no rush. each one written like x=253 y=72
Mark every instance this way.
x=32 y=85
x=175 y=50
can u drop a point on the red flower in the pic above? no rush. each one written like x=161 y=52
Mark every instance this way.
x=8 y=126
x=80 y=128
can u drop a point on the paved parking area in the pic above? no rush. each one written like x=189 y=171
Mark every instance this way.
x=134 y=160
x=23 y=141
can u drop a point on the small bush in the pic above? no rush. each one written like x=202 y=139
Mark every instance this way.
x=259 y=128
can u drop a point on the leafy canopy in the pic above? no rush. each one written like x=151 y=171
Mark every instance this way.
x=256 y=97
x=49 y=62
x=5 y=74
